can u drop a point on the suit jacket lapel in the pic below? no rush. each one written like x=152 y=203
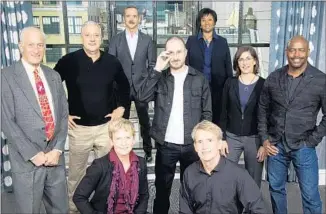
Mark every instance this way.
x=25 y=85
x=302 y=84
x=53 y=89
x=125 y=45
x=199 y=43
x=139 y=45
x=283 y=83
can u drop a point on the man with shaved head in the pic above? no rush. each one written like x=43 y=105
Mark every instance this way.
x=182 y=99
x=289 y=104
x=91 y=77
x=35 y=121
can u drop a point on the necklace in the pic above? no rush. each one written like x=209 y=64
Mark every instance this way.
x=246 y=88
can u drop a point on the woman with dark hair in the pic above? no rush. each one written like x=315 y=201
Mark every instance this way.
x=209 y=53
x=118 y=179
x=204 y=13
x=239 y=112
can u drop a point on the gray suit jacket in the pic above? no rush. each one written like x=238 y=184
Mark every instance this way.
x=22 y=121
x=145 y=57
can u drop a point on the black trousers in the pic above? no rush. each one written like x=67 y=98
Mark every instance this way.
x=167 y=156
x=142 y=112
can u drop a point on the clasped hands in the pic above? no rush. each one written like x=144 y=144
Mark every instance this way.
x=47 y=159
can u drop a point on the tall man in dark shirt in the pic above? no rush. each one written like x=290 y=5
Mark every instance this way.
x=215 y=184
x=289 y=104
x=90 y=75
x=137 y=55
x=182 y=99
x=210 y=54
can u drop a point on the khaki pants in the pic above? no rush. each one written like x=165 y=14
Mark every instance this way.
x=82 y=140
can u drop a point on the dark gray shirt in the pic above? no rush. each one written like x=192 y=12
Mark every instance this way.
x=292 y=84
x=221 y=192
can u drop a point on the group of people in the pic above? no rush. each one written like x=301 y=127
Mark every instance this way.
x=204 y=118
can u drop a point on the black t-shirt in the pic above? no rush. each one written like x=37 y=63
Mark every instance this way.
x=95 y=89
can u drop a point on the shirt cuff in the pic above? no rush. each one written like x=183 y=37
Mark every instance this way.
x=58 y=150
x=33 y=157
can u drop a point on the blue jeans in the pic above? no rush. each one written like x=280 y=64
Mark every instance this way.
x=306 y=167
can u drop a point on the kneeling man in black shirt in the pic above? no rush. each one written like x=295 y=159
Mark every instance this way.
x=215 y=184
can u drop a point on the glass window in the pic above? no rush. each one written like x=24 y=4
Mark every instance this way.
x=74 y=2
x=36 y=21
x=78 y=15
x=50 y=2
x=256 y=22
x=174 y=18
x=53 y=54
x=75 y=24
x=73 y=49
x=51 y=24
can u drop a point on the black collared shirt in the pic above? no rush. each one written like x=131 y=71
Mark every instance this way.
x=95 y=89
x=220 y=192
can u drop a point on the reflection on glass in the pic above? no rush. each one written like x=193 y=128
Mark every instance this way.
x=53 y=54
x=74 y=24
x=256 y=22
x=51 y=24
x=174 y=18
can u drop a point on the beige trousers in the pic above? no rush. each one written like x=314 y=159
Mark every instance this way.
x=82 y=140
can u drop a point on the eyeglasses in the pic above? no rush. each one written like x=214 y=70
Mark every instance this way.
x=242 y=60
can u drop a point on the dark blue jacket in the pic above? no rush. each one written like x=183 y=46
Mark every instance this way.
x=221 y=67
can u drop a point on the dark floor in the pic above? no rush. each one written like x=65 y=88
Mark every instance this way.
x=294 y=199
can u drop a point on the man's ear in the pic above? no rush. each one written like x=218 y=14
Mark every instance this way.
x=20 y=46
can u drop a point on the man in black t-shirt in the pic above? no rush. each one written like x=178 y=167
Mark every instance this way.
x=90 y=76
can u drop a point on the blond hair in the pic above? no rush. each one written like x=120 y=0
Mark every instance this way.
x=124 y=124
x=208 y=126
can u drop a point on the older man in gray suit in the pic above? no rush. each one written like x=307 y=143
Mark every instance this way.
x=136 y=53
x=35 y=121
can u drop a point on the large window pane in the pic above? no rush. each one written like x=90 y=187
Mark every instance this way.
x=50 y=2
x=82 y=11
x=36 y=21
x=51 y=24
x=78 y=14
x=256 y=22
x=73 y=49
x=53 y=54
x=174 y=18
x=74 y=24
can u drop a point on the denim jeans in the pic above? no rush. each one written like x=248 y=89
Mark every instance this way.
x=306 y=167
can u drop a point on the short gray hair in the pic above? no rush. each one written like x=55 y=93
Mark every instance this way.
x=25 y=29
x=92 y=23
x=208 y=126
